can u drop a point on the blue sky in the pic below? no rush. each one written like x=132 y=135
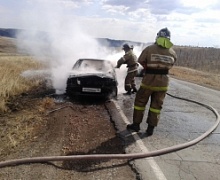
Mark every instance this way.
x=191 y=22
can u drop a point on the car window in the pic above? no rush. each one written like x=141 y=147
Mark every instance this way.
x=91 y=65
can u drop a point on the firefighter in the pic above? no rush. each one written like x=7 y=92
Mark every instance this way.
x=131 y=60
x=156 y=60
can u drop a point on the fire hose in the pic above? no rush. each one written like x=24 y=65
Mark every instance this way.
x=122 y=156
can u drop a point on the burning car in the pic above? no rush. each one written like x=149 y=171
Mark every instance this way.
x=92 y=77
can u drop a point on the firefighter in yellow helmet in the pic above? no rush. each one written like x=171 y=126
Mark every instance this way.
x=131 y=60
x=156 y=59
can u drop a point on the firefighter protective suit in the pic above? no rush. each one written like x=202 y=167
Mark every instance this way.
x=156 y=59
x=131 y=60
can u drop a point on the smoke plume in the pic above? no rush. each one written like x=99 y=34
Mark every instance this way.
x=54 y=37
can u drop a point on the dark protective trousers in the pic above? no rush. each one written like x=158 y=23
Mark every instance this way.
x=142 y=97
x=129 y=83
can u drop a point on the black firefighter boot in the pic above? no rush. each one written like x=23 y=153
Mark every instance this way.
x=134 y=127
x=134 y=90
x=128 y=92
x=150 y=130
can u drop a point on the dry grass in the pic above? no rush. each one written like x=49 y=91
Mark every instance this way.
x=11 y=82
x=23 y=124
x=198 y=77
x=7 y=46
x=18 y=129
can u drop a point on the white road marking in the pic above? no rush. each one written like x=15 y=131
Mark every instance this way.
x=155 y=168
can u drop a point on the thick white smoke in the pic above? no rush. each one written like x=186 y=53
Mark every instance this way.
x=54 y=37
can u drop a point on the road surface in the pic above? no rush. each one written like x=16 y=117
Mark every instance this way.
x=181 y=122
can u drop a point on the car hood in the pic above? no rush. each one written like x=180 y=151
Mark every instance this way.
x=98 y=73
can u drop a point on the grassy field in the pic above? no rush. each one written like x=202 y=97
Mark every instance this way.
x=203 y=78
x=12 y=83
x=20 y=115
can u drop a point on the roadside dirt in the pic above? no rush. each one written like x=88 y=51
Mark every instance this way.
x=63 y=128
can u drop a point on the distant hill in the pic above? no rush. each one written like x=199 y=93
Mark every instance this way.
x=9 y=32
x=118 y=43
x=12 y=33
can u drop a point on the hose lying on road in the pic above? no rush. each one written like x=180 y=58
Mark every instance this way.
x=120 y=156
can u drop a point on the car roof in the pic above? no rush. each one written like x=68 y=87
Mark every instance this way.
x=92 y=59
x=93 y=63
x=102 y=61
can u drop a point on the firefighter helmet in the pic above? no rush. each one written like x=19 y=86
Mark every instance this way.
x=164 y=33
x=127 y=47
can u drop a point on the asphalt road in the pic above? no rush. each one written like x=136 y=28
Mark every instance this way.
x=180 y=122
